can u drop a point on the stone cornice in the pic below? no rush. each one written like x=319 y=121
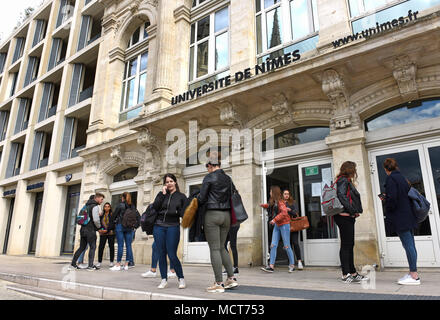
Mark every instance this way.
x=182 y=13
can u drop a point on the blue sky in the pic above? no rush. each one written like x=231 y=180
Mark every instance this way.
x=10 y=13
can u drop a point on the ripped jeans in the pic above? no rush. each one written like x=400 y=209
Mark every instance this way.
x=284 y=231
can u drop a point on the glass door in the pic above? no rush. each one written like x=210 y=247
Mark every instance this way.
x=8 y=225
x=72 y=207
x=413 y=164
x=321 y=243
x=196 y=249
x=433 y=164
x=35 y=223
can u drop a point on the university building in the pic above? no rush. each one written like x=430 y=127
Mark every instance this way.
x=91 y=89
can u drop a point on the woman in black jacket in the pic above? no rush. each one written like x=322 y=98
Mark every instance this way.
x=108 y=233
x=294 y=236
x=170 y=206
x=400 y=216
x=351 y=200
x=215 y=193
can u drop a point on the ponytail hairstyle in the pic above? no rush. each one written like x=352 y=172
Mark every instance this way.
x=127 y=198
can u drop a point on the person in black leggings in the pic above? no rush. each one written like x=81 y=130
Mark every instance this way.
x=232 y=239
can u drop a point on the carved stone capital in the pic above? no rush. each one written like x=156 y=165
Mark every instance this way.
x=117 y=153
x=334 y=87
x=229 y=114
x=147 y=139
x=404 y=71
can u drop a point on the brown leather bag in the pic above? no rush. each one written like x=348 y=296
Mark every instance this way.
x=298 y=224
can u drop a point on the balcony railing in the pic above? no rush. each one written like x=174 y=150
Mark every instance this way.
x=85 y=94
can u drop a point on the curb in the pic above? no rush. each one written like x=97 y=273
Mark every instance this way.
x=100 y=292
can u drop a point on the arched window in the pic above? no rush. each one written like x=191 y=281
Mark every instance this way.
x=404 y=113
x=135 y=74
x=297 y=136
x=127 y=174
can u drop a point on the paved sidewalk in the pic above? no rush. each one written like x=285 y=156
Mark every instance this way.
x=311 y=283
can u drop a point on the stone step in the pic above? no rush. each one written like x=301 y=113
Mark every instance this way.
x=46 y=294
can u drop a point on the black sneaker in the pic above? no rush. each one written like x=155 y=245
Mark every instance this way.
x=358 y=278
x=268 y=269
x=235 y=270
x=131 y=265
x=347 y=279
x=74 y=267
x=94 y=268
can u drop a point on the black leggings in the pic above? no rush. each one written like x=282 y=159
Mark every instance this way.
x=111 y=244
x=294 y=239
x=232 y=238
x=346 y=229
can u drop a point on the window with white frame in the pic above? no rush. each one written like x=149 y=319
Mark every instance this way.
x=209 y=48
x=135 y=78
x=139 y=35
x=282 y=22
x=197 y=2
x=360 y=7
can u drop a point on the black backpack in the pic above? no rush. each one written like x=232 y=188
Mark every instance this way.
x=131 y=218
x=148 y=220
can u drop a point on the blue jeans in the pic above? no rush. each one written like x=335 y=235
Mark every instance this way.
x=167 y=240
x=284 y=231
x=155 y=257
x=407 y=238
x=81 y=257
x=124 y=235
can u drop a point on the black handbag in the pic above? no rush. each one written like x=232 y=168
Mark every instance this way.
x=237 y=206
x=148 y=220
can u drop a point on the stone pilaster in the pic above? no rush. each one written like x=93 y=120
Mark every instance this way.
x=350 y=146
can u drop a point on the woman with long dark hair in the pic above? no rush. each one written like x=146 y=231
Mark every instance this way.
x=170 y=207
x=123 y=234
x=108 y=234
x=281 y=222
x=351 y=200
x=294 y=236
x=400 y=216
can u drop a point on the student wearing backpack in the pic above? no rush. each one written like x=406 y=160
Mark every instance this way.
x=123 y=234
x=281 y=222
x=351 y=200
x=400 y=216
x=169 y=204
x=88 y=232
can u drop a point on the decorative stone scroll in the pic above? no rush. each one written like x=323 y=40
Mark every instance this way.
x=404 y=71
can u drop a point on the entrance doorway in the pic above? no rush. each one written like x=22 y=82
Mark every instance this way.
x=420 y=164
x=8 y=225
x=69 y=229
x=35 y=223
x=319 y=243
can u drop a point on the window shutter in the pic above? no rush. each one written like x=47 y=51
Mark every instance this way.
x=75 y=85
x=67 y=138
x=3 y=123
x=84 y=32
x=2 y=62
x=36 y=150
x=38 y=31
x=18 y=47
x=20 y=115
x=11 y=161
x=45 y=100
x=63 y=4
x=30 y=71
x=56 y=45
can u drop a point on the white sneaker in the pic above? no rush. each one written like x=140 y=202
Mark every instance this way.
x=404 y=277
x=149 y=274
x=83 y=266
x=126 y=268
x=116 y=268
x=163 y=284
x=111 y=264
x=172 y=275
x=300 y=265
x=98 y=265
x=409 y=281
x=291 y=269
x=182 y=284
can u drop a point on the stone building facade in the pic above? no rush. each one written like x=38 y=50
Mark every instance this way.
x=342 y=80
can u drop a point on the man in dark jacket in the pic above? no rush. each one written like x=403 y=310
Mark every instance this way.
x=88 y=232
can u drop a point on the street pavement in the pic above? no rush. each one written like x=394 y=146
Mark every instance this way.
x=310 y=284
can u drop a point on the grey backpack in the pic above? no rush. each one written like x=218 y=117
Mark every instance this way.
x=330 y=202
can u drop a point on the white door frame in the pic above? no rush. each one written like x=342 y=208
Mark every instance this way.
x=301 y=163
x=393 y=244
